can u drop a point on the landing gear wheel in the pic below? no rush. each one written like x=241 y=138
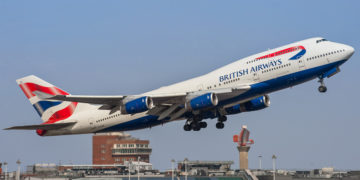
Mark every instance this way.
x=187 y=127
x=197 y=128
x=197 y=118
x=222 y=118
x=220 y=125
x=203 y=124
x=322 y=89
x=194 y=125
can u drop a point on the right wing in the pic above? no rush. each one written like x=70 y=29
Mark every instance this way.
x=165 y=105
x=42 y=126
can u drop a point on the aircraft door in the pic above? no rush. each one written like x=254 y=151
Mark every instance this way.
x=92 y=124
x=200 y=87
x=328 y=60
x=256 y=76
x=301 y=64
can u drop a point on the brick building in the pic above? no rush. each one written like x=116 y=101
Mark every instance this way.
x=116 y=148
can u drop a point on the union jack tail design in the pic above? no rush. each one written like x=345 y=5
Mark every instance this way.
x=49 y=111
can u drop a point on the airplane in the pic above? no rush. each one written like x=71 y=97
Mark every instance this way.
x=242 y=86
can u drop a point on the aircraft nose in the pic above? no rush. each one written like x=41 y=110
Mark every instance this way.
x=350 y=50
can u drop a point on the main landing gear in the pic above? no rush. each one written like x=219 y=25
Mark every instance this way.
x=220 y=123
x=322 y=88
x=195 y=124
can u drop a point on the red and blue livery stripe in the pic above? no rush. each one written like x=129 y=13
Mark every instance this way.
x=285 y=51
x=42 y=106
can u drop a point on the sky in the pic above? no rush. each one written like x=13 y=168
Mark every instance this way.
x=115 y=47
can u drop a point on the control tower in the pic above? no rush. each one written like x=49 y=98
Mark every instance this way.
x=243 y=146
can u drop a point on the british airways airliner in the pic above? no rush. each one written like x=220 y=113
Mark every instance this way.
x=242 y=86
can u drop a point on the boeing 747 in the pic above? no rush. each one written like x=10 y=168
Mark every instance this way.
x=242 y=86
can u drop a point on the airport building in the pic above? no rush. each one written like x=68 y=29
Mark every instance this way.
x=118 y=148
x=205 y=168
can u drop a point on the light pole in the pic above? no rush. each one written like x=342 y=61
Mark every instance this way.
x=129 y=163
x=18 y=162
x=138 y=168
x=5 y=164
x=185 y=162
x=274 y=168
x=260 y=156
x=172 y=169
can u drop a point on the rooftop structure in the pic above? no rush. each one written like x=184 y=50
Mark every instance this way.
x=117 y=148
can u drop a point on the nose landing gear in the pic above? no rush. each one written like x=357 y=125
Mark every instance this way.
x=322 y=88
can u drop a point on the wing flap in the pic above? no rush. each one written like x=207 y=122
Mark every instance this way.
x=168 y=111
x=179 y=98
x=42 y=126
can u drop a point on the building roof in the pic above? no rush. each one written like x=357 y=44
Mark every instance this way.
x=207 y=162
x=92 y=165
x=122 y=134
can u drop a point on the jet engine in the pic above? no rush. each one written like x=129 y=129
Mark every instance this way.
x=252 y=105
x=201 y=101
x=138 y=105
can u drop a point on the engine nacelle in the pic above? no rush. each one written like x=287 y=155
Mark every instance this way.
x=137 y=105
x=202 y=101
x=252 y=105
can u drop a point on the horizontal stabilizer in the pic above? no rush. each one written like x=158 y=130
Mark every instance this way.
x=110 y=100
x=42 y=126
x=43 y=95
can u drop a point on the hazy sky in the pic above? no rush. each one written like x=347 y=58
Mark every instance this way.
x=130 y=47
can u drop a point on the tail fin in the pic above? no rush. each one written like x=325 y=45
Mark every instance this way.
x=49 y=111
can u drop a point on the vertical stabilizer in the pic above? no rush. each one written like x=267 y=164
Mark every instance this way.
x=49 y=111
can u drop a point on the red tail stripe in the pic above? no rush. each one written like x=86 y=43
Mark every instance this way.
x=58 y=116
x=29 y=88
x=62 y=114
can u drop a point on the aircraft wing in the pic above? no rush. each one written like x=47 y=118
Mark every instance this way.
x=109 y=100
x=165 y=105
x=42 y=126
x=173 y=106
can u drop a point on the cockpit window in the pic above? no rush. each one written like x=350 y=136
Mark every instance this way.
x=321 y=40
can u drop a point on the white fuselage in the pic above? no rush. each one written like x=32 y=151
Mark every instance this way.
x=273 y=72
